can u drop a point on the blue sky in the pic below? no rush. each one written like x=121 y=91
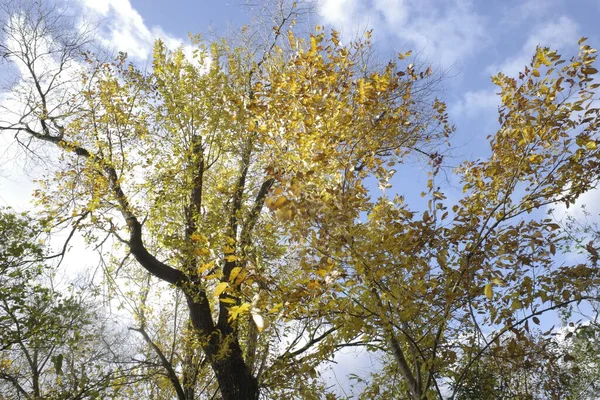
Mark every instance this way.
x=467 y=40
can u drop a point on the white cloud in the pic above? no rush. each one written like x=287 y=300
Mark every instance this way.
x=473 y=103
x=444 y=31
x=585 y=208
x=529 y=10
x=339 y=12
x=15 y=187
x=556 y=34
x=124 y=29
x=396 y=11
x=101 y=7
x=347 y=362
x=559 y=33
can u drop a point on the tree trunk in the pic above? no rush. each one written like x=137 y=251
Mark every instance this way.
x=223 y=350
x=234 y=377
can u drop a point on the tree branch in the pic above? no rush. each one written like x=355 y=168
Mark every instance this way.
x=164 y=362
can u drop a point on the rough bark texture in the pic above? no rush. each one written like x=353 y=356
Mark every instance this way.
x=235 y=378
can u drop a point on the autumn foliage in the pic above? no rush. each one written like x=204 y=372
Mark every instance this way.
x=246 y=181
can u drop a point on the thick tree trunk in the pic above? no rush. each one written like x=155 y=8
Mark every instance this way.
x=234 y=377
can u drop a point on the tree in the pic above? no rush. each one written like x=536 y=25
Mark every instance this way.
x=241 y=179
x=470 y=281
x=561 y=366
x=18 y=251
x=168 y=352
x=179 y=162
x=584 y=349
x=51 y=345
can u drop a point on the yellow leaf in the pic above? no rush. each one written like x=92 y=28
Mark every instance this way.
x=241 y=277
x=535 y=73
x=205 y=266
x=285 y=214
x=280 y=202
x=231 y=258
x=198 y=237
x=235 y=311
x=313 y=43
x=276 y=308
x=291 y=39
x=589 y=71
x=220 y=288
x=499 y=281
x=591 y=145
x=228 y=300
x=202 y=252
x=402 y=56
x=488 y=291
x=335 y=38
x=234 y=273
x=216 y=275
x=321 y=272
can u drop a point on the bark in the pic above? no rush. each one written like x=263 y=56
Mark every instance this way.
x=235 y=378
x=224 y=353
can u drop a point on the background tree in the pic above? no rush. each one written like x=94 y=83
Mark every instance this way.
x=561 y=366
x=51 y=345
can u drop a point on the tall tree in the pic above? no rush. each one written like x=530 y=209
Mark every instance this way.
x=179 y=162
x=471 y=280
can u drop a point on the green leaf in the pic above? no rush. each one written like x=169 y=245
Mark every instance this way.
x=57 y=361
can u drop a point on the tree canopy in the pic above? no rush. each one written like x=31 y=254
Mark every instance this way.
x=243 y=182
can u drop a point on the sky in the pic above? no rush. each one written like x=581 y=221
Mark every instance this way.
x=466 y=40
